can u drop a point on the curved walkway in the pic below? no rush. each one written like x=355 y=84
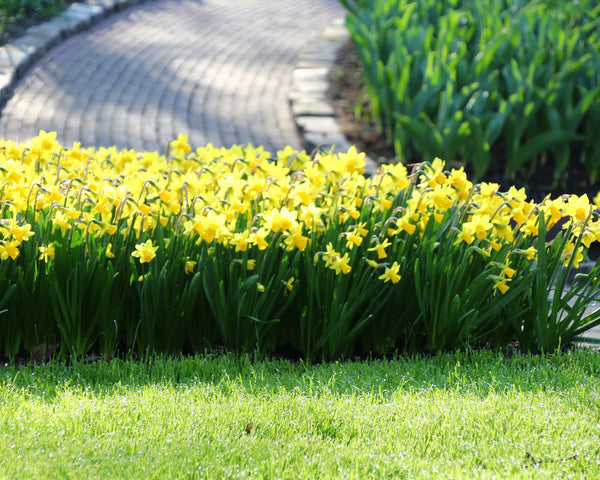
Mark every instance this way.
x=217 y=70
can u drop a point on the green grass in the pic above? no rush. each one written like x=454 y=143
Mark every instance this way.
x=479 y=415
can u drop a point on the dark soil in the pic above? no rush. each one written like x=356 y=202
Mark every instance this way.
x=352 y=109
x=352 y=106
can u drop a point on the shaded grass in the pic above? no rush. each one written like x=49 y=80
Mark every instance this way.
x=477 y=415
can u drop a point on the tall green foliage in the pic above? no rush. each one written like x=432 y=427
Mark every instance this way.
x=484 y=81
x=14 y=11
x=105 y=251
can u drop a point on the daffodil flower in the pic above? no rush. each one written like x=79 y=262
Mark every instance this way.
x=380 y=248
x=21 y=232
x=190 y=265
x=9 y=249
x=329 y=255
x=145 y=251
x=391 y=274
x=501 y=286
x=46 y=252
x=340 y=265
x=180 y=146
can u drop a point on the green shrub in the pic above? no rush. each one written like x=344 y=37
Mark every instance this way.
x=15 y=11
x=503 y=86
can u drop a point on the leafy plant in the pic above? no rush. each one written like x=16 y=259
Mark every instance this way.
x=14 y=11
x=558 y=304
x=499 y=86
x=106 y=251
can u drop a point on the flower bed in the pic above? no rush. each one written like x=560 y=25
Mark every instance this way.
x=104 y=249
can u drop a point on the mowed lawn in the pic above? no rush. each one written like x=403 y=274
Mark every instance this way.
x=475 y=415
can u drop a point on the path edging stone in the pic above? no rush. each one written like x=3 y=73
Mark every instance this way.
x=311 y=108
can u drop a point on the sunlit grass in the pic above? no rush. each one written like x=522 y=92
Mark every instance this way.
x=478 y=415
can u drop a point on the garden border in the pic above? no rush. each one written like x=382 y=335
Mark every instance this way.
x=313 y=112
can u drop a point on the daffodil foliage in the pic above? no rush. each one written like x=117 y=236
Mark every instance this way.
x=105 y=249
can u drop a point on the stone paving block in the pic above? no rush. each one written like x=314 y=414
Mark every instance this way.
x=317 y=87
x=6 y=79
x=310 y=74
x=306 y=96
x=106 y=5
x=314 y=106
x=82 y=14
x=87 y=11
x=336 y=33
x=45 y=31
x=325 y=139
x=322 y=124
x=12 y=56
x=320 y=57
x=64 y=24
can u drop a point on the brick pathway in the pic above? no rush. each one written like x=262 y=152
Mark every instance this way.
x=218 y=70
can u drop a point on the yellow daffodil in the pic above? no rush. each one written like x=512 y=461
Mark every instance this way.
x=45 y=142
x=295 y=239
x=329 y=255
x=352 y=239
x=180 y=146
x=352 y=160
x=568 y=253
x=479 y=226
x=380 y=248
x=9 y=249
x=243 y=200
x=465 y=236
x=280 y=220
x=145 y=251
x=190 y=265
x=508 y=272
x=46 y=252
x=435 y=173
x=259 y=238
x=391 y=273
x=241 y=240
x=529 y=253
x=577 y=208
x=501 y=285
x=340 y=265
x=21 y=233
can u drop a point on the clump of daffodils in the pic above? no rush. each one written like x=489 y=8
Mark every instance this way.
x=238 y=246
x=242 y=198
